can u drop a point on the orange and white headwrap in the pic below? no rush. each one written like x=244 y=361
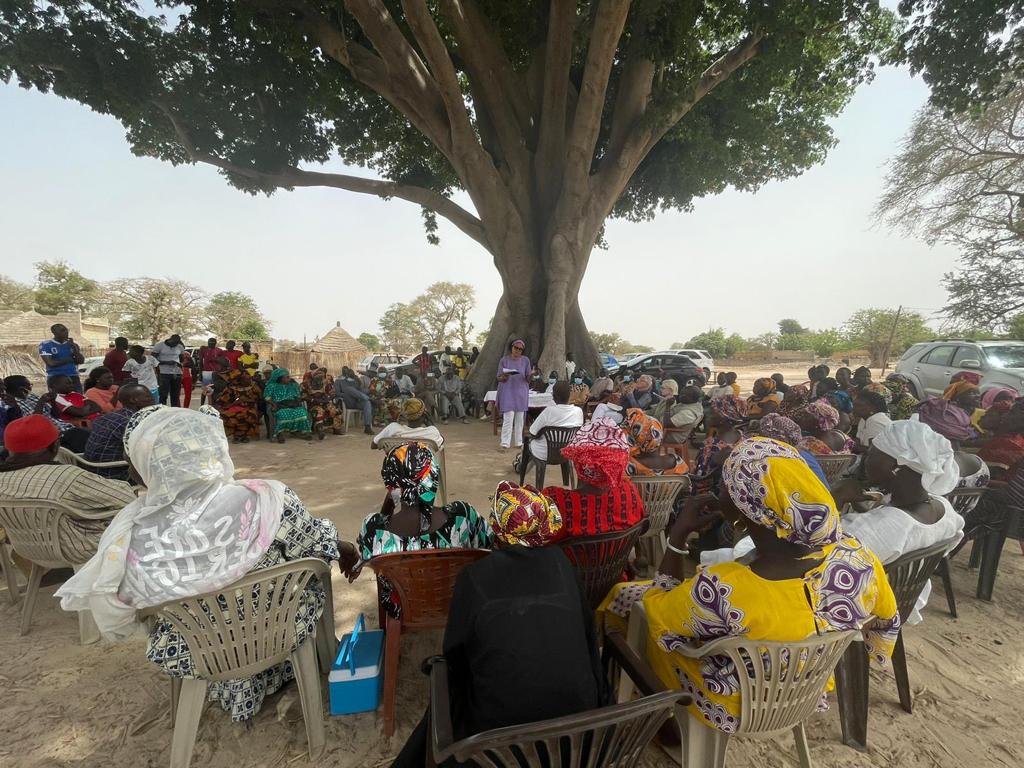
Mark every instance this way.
x=522 y=515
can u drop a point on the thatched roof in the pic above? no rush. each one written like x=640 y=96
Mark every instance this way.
x=338 y=341
x=24 y=328
x=21 y=363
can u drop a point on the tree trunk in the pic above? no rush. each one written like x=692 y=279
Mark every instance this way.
x=543 y=310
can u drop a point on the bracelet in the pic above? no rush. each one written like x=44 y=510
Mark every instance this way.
x=677 y=550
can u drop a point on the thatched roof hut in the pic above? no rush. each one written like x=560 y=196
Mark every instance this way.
x=334 y=349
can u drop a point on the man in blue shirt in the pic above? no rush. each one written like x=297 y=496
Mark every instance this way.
x=61 y=356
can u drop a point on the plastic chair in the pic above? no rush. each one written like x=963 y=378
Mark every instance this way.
x=348 y=415
x=556 y=438
x=964 y=500
x=834 y=466
x=601 y=560
x=907 y=577
x=231 y=635
x=658 y=494
x=64 y=456
x=387 y=443
x=424 y=581
x=13 y=591
x=610 y=737
x=776 y=695
x=43 y=532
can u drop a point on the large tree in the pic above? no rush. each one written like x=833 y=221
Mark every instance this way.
x=15 y=295
x=62 y=288
x=234 y=315
x=551 y=115
x=152 y=309
x=885 y=332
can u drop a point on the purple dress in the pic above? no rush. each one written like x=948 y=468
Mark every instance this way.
x=514 y=394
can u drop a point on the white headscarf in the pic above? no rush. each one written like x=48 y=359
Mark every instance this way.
x=925 y=451
x=196 y=529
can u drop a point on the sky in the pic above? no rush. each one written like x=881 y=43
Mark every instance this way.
x=805 y=248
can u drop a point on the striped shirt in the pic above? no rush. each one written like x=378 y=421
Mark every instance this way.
x=591 y=515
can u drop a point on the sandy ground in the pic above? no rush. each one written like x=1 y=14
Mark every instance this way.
x=104 y=705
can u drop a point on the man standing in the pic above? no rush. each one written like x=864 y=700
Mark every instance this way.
x=232 y=355
x=460 y=363
x=445 y=361
x=169 y=353
x=424 y=361
x=106 y=438
x=451 y=397
x=570 y=366
x=208 y=360
x=61 y=356
x=116 y=358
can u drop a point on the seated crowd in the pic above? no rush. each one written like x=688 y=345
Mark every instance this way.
x=780 y=551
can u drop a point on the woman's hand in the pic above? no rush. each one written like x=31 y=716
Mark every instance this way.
x=698 y=513
x=503 y=378
x=849 y=491
x=349 y=559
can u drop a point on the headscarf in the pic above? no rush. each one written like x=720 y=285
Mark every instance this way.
x=968 y=376
x=644 y=384
x=599 y=452
x=413 y=409
x=196 y=529
x=772 y=486
x=841 y=400
x=766 y=385
x=730 y=407
x=923 y=450
x=412 y=474
x=957 y=388
x=672 y=385
x=781 y=428
x=822 y=412
x=903 y=403
x=879 y=389
x=277 y=392
x=521 y=515
x=949 y=420
x=795 y=399
x=646 y=432
x=989 y=398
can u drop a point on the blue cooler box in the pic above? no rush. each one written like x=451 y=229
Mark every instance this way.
x=357 y=675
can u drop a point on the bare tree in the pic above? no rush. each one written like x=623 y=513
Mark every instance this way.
x=153 y=308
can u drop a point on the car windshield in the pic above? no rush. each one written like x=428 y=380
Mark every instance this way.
x=1006 y=356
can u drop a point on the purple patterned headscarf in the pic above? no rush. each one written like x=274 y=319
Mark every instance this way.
x=826 y=415
x=782 y=428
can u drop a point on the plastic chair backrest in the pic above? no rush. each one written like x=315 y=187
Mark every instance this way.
x=601 y=560
x=246 y=627
x=611 y=737
x=909 y=573
x=424 y=581
x=835 y=465
x=388 y=443
x=964 y=500
x=556 y=439
x=775 y=693
x=37 y=530
x=658 y=495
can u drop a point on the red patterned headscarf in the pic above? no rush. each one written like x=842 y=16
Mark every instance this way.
x=600 y=453
x=521 y=515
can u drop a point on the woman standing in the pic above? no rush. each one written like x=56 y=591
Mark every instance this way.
x=285 y=401
x=513 y=393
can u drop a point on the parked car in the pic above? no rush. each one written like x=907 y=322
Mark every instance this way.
x=86 y=368
x=608 y=362
x=406 y=365
x=627 y=356
x=672 y=363
x=930 y=365
x=379 y=359
x=700 y=356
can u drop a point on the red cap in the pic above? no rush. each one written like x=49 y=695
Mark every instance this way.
x=30 y=434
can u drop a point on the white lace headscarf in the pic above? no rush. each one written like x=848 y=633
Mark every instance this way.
x=918 y=446
x=196 y=528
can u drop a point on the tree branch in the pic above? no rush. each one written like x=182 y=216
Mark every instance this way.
x=554 y=99
x=291 y=177
x=586 y=124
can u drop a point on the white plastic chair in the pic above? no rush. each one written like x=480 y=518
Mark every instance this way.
x=12 y=578
x=64 y=456
x=230 y=635
x=776 y=694
x=387 y=443
x=657 y=495
x=348 y=415
x=42 y=532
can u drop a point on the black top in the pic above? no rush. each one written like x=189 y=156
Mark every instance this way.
x=520 y=643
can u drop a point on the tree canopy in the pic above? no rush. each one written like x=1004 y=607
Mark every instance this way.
x=233 y=315
x=61 y=288
x=716 y=342
x=551 y=115
x=873 y=328
x=152 y=308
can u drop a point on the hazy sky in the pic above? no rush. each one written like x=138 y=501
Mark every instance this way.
x=805 y=248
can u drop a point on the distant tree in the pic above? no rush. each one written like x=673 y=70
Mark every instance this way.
x=1015 y=327
x=400 y=330
x=643 y=348
x=15 y=295
x=232 y=315
x=792 y=342
x=715 y=342
x=612 y=343
x=871 y=329
x=764 y=341
x=442 y=311
x=152 y=308
x=481 y=337
x=790 y=327
x=826 y=342
x=370 y=341
x=61 y=288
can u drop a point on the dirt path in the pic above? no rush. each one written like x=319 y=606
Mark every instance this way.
x=105 y=706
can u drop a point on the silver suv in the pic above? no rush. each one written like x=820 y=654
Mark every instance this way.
x=930 y=365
